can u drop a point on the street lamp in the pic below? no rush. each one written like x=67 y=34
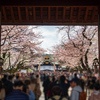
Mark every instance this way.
x=95 y=63
x=96 y=60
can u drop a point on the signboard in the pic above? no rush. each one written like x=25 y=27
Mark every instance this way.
x=23 y=71
x=47 y=68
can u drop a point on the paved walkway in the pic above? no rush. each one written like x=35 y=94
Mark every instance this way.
x=42 y=95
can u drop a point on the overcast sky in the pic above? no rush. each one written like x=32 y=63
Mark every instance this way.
x=50 y=36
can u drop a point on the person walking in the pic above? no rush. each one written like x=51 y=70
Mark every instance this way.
x=2 y=91
x=17 y=93
x=46 y=86
x=76 y=89
x=56 y=92
x=96 y=93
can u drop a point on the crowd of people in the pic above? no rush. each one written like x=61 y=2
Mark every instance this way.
x=56 y=86
x=19 y=88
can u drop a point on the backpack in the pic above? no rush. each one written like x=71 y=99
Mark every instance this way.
x=82 y=95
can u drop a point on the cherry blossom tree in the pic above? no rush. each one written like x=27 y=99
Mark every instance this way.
x=78 y=46
x=22 y=43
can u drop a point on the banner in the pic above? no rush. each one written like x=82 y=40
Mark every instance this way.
x=46 y=67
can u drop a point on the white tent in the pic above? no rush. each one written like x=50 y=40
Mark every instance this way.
x=47 y=67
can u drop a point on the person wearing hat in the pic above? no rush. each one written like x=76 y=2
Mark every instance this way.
x=76 y=89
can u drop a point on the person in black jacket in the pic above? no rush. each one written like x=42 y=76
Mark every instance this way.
x=4 y=79
x=46 y=86
x=51 y=85
x=17 y=93
x=9 y=85
x=64 y=85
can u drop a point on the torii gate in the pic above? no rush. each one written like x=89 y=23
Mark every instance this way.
x=50 y=12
